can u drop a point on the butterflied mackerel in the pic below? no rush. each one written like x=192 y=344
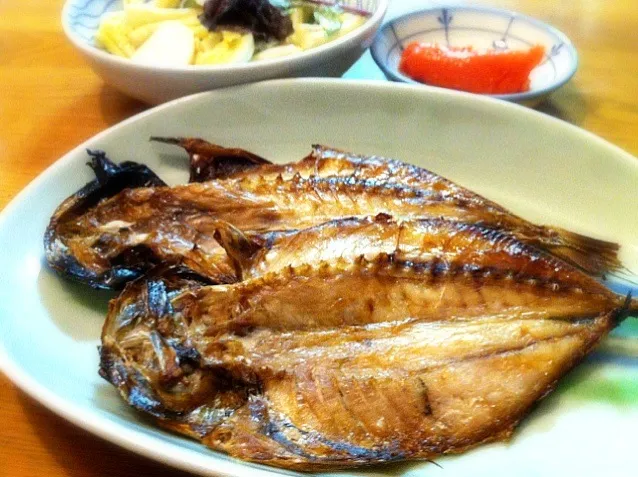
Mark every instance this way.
x=109 y=242
x=357 y=341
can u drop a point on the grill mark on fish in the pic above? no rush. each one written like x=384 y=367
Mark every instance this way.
x=311 y=388
x=427 y=408
x=344 y=404
x=354 y=232
x=277 y=431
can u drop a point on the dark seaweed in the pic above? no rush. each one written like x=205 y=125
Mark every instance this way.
x=259 y=16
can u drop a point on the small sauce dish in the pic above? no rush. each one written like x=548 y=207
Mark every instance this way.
x=480 y=28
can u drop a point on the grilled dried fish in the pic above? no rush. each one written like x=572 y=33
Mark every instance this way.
x=358 y=341
x=597 y=257
x=145 y=226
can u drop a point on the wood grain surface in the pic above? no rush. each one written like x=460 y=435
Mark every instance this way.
x=50 y=101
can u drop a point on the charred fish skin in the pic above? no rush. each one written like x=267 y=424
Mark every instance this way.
x=110 y=180
x=143 y=347
x=179 y=223
x=131 y=262
x=333 y=363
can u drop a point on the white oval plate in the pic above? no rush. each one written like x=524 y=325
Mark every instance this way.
x=538 y=166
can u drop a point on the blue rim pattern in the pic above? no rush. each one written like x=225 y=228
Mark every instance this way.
x=445 y=18
x=84 y=16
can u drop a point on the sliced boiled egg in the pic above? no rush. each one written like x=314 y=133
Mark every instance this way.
x=171 y=44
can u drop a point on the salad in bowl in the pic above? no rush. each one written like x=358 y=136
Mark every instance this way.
x=159 y=50
x=214 y=32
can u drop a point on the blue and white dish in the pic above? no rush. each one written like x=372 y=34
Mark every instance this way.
x=157 y=84
x=480 y=28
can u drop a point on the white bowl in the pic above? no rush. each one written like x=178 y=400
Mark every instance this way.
x=480 y=27
x=156 y=84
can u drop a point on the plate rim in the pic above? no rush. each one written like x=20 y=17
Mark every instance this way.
x=148 y=446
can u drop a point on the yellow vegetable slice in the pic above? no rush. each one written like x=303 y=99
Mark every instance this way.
x=234 y=48
x=167 y=3
x=209 y=41
x=200 y=31
x=300 y=15
x=139 y=35
x=349 y=22
x=112 y=35
x=308 y=36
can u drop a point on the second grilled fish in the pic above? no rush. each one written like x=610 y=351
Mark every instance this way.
x=356 y=342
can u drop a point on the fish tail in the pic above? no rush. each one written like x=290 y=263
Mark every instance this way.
x=595 y=257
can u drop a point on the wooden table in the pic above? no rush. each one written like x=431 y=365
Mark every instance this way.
x=50 y=101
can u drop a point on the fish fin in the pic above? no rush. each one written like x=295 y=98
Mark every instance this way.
x=112 y=178
x=102 y=166
x=239 y=248
x=210 y=161
x=593 y=256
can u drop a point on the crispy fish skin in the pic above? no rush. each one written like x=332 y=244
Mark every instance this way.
x=437 y=337
x=178 y=224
